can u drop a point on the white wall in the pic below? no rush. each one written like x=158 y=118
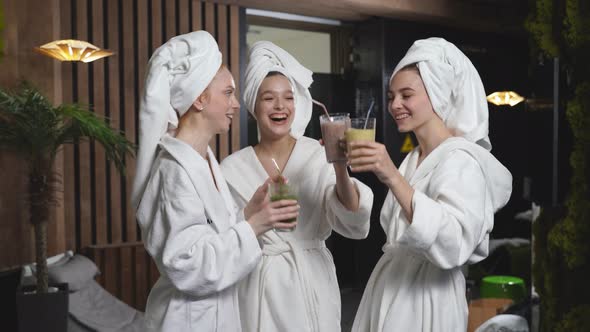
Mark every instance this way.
x=312 y=49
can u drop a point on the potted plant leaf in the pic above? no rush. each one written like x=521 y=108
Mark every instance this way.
x=33 y=128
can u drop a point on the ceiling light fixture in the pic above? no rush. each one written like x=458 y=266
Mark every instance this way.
x=72 y=50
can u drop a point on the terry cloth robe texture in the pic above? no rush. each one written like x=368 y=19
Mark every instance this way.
x=417 y=285
x=294 y=287
x=200 y=244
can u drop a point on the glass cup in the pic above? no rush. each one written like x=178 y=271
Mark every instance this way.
x=358 y=131
x=333 y=129
x=280 y=190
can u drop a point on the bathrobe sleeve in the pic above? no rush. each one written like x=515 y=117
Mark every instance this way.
x=350 y=224
x=451 y=223
x=187 y=249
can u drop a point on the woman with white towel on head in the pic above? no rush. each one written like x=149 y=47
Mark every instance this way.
x=294 y=287
x=440 y=208
x=189 y=222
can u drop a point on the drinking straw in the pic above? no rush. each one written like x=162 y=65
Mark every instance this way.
x=324 y=108
x=277 y=166
x=368 y=113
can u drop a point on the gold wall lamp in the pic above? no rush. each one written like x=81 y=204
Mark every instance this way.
x=500 y=98
x=72 y=50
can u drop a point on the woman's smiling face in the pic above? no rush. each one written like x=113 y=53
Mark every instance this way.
x=409 y=104
x=275 y=106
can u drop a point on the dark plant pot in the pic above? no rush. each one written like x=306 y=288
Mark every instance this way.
x=42 y=312
x=9 y=281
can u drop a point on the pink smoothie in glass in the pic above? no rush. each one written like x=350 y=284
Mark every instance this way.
x=333 y=129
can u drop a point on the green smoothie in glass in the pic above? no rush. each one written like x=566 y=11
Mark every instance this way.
x=283 y=190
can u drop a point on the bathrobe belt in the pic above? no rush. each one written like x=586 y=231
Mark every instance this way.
x=296 y=247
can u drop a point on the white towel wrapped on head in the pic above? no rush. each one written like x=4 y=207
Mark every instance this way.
x=178 y=72
x=453 y=86
x=266 y=57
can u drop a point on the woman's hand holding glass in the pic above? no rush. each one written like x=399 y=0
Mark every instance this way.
x=264 y=215
x=368 y=156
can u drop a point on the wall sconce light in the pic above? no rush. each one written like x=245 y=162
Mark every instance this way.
x=72 y=50
x=505 y=98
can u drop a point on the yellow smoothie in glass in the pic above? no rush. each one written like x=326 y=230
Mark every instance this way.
x=360 y=130
x=359 y=135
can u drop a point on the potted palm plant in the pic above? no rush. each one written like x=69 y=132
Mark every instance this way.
x=32 y=127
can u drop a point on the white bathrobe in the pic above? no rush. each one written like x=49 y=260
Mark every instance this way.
x=202 y=249
x=417 y=285
x=294 y=288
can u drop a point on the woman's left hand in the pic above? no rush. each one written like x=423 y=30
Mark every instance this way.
x=367 y=156
x=258 y=200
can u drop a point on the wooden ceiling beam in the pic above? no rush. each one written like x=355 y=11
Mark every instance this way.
x=332 y=9
x=474 y=14
x=481 y=15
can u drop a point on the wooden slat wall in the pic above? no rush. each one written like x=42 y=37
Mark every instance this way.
x=130 y=98
x=69 y=202
x=115 y=213
x=234 y=58
x=99 y=102
x=210 y=26
x=97 y=206
x=82 y=162
x=96 y=197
